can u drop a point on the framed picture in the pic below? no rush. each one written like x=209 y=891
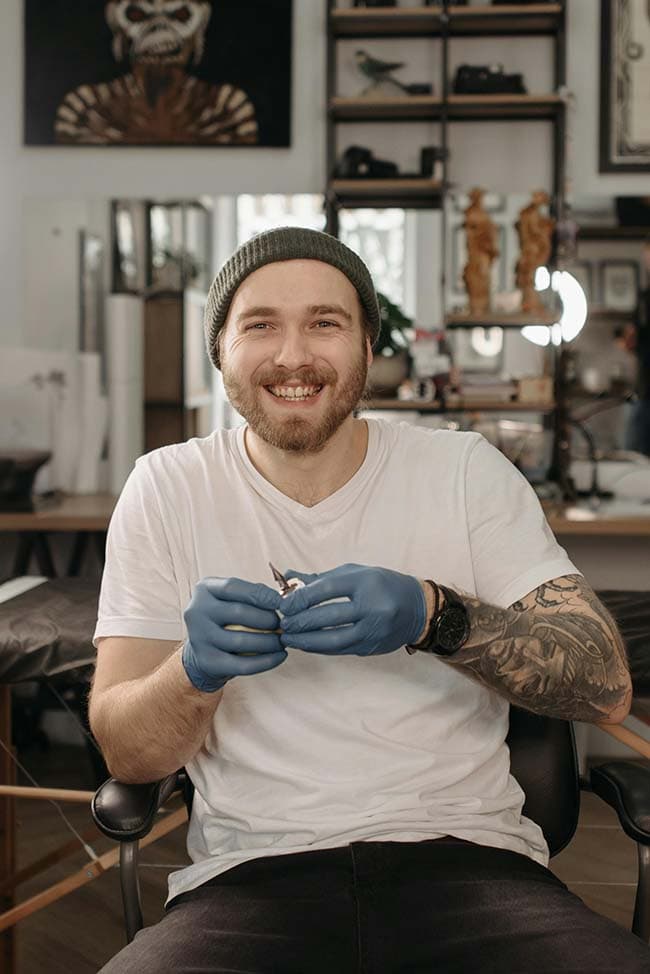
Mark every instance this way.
x=625 y=66
x=583 y=271
x=619 y=284
x=131 y=72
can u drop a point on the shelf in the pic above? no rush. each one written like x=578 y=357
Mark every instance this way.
x=460 y=108
x=504 y=107
x=515 y=19
x=386 y=22
x=613 y=233
x=400 y=108
x=494 y=319
x=520 y=19
x=407 y=193
x=597 y=311
x=409 y=405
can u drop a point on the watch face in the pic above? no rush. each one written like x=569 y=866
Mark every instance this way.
x=453 y=629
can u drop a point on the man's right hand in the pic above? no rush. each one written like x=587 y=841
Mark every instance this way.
x=214 y=652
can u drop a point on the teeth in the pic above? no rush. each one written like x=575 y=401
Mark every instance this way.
x=294 y=392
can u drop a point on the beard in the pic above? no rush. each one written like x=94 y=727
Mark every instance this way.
x=297 y=434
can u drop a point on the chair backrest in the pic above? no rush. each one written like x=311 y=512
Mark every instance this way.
x=543 y=760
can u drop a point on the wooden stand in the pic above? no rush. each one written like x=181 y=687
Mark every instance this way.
x=7 y=828
x=628 y=737
x=91 y=870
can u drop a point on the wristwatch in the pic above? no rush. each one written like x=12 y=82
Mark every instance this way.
x=449 y=627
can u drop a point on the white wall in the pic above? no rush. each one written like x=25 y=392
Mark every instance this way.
x=50 y=266
x=583 y=74
x=71 y=173
x=510 y=157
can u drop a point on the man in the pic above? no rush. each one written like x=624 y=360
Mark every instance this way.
x=638 y=434
x=353 y=807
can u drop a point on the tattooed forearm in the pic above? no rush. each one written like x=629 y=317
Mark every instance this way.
x=557 y=652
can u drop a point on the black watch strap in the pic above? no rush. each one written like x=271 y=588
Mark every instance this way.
x=435 y=615
x=449 y=627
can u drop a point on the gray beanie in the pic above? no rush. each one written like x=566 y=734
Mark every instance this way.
x=285 y=243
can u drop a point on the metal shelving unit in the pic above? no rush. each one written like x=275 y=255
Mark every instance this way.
x=448 y=22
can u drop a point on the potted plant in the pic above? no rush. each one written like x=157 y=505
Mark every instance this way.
x=392 y=361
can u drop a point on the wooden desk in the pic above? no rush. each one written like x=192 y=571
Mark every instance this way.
x=84 y=515
x=571 y=520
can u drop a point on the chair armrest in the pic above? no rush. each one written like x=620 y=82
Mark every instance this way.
x=127 y=812
x=626 y=787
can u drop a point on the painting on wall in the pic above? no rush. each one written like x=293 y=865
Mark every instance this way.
x=158 y=72
x=624 y=85
x=619 y=284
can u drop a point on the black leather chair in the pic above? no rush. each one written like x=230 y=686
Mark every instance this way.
x=543 y=760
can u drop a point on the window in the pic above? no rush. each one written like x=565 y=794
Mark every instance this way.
x=255 y=214
x=376 y=235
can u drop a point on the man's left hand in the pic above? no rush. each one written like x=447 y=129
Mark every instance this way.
x=383 y=611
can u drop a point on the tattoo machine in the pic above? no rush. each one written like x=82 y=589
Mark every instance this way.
x=285 y=585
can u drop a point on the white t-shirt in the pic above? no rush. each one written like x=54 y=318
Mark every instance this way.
x=322 y=751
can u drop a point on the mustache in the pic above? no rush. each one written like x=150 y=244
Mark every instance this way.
x=305 y=377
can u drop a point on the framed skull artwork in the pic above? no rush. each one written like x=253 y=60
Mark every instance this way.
x=158 y=72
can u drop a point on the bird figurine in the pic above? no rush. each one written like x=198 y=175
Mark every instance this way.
x=379 y=72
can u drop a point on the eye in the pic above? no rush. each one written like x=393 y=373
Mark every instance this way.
x=327 y=324
x=182 y=13
x=135 y=14
x=257 y=326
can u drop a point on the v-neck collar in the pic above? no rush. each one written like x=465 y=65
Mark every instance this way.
x=331 y=506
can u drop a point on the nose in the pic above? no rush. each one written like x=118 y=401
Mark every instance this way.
x=293 y=350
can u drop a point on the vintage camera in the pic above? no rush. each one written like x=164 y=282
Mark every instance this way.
x=487 y=80
x=357 y=162
x=431 y=160
x=18 y=469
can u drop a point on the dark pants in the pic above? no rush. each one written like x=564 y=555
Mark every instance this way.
x=637 y=435
x=384 y=908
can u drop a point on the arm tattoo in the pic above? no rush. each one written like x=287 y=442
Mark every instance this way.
x=556 y=652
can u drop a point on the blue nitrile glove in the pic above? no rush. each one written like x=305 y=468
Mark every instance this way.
x=214 y=653
x=385 y=610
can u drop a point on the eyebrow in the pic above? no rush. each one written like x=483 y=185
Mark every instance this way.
x=261 y=311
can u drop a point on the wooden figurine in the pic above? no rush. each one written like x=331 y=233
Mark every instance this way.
x=481 y=240
x=535 y=231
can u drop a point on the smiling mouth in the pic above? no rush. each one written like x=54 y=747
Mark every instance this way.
x=294 y=393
